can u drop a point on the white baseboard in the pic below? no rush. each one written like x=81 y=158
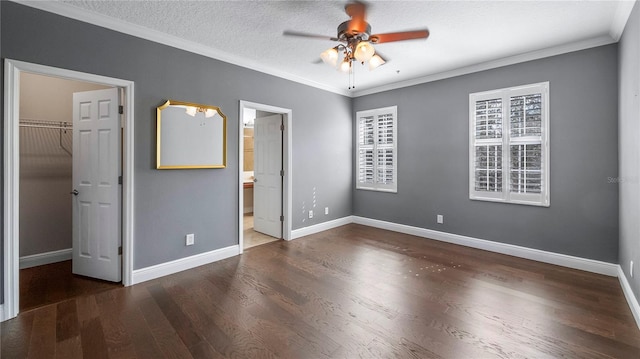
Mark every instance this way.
x=2 y=318
x=179 y=265
x=40 y=259
x=628 y=293
x=247 y=210
x=316 y=228
x=564 y=260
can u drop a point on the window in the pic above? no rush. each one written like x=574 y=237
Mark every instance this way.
x=377 y=149
x=509 y=145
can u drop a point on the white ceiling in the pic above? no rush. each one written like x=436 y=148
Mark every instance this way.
x=466 y=36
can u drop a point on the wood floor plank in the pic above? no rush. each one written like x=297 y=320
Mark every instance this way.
x=66 y=320
x=94 y=344
x=168 y=340
x=87 y=308
x=116 y=335
x=144 y=343
x=228 y=340
x=70 y=348
x=16 y=334
x=234 y=320
x=43 y=334
x=179 y=321
x=53 y=283
x=349 y=292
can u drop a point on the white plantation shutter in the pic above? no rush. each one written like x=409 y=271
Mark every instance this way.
x=488 y=123
x=385 y=160
x=488 y=168
x=526 y=169
x=525 y=147
x=509 y=152
x=366 y=134
x=377 y=148
x=488 y=145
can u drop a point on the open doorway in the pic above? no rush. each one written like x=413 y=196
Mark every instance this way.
x=265 y=174
x=262 y=180
x=121 y=154
x=46 y=179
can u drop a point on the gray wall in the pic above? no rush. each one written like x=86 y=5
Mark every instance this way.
x=433 y=174
x=629 y=150
x=171 y=203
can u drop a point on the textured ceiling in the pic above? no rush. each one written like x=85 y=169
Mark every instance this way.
x=464 y=34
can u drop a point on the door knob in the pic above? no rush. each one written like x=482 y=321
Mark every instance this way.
x=74 y=192
x=255 y=180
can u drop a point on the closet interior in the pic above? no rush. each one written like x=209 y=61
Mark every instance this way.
x=46 y=167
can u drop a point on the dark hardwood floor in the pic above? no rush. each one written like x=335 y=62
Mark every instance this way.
x=53 y=283
x=349 y=292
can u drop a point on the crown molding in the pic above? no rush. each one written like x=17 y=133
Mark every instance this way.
x=511 y=60
x=623 y=12
x=620 y=19
x=145 y=33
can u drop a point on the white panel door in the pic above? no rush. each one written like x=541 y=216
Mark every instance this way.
x=267 y=164
x=95 y=193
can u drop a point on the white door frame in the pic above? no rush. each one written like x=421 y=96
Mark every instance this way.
x=286 y=165
x=11 y=220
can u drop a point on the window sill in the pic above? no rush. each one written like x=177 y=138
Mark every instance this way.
x=520 y=202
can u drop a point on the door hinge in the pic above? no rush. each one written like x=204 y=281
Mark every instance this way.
x=121 y=109
x=281 y=218
x=282 y=127
x=120 y=251
x=281 y=173
x=119 y=179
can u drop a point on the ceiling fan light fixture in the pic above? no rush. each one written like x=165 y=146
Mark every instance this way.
x=356 y=42
x=330 y=56
x=345 y=66
x=375 y=62
x=364 y=51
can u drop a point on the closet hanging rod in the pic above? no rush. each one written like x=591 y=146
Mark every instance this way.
x=61 y=125
x=52 y=127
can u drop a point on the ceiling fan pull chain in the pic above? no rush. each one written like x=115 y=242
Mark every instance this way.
x=352 y=77
x=353 y=80
x=349 y=80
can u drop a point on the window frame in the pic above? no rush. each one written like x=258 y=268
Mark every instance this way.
x=375 y=186
x=506 y=141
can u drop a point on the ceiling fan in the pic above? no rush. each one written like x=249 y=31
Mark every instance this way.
x=356 y=41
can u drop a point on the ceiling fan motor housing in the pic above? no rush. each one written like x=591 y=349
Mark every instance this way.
x=345 y=35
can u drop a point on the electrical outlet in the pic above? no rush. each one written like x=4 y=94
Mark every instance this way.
x=190 y=239
x=440 y=219
x=326 y=210
x=631 y=269
x=310 y=214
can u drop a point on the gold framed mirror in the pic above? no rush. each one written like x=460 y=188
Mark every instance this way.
x=190 y=136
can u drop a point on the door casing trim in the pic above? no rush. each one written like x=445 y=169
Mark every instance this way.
x=11 y=175
x=286 y=165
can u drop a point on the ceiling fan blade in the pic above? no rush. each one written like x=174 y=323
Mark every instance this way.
x=307 y=35
x=357 y=10
x=399 y=36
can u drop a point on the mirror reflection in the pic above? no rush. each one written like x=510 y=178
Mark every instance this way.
x=190 y=136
